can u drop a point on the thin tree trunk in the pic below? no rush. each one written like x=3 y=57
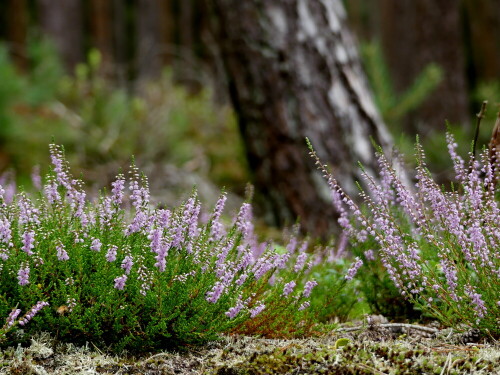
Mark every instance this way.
x=62 y=21
x=293 y=71
x=167 y=31
x=148 y=38
x=102 y=32
x=17 y=25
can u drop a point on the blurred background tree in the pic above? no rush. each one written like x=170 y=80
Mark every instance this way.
x=293 y=71
x=110 y=78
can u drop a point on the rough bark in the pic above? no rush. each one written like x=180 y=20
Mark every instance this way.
x=415 y=34
x=62 y=21
x=293 y=71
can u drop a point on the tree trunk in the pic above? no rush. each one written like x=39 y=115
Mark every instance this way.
x=17 y=25
x=483 y=25
x=102 y=32
x=415 y=34
x=293 y=71
x=62 y=21
x=148 y=38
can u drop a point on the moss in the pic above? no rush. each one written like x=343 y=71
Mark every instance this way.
x=248 y=356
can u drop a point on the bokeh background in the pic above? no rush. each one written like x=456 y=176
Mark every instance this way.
x=109 y=79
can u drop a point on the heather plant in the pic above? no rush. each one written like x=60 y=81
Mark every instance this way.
x=338 y=296
x=14 y=318
x=439 y=247
x=116 y=271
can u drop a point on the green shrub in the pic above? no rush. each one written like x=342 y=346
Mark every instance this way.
x=438 y=247
x=119 y=273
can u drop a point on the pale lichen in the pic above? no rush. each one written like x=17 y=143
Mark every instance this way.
x=251 y=355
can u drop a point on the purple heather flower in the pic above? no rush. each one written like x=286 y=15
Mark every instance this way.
x=369 y=254
x=139 y=195
x=51 y=193
x=178 y=234
x=354 y=269
x=233 y=311
x=309 y=287
x=161 y=256
x=5 y=231
x=288 y=288
x=28 y=242
x=478 y=303
x=9 y=190
x=301 y=261
x=31 y=314
x=458 y=162
x=23 y=275
x=27 y=212
x=450 y=274
x=118 y=190
x=71 y=303
x=219 y=206
x=36 y=179
x=155 y=237
x=243 y=277
x=246 y=260
x=292 y=241
x=214 y=294
x=244 y=220
x=95 y=245
x=304 y=305
x=217 y=229
x=127 y=264
x=263 y=265
x=79 y=203
x=192 y=222
x=342 y=245
x=105 y=210
x=139 y=221
x=257 y=310
x=9 y=322
x=120 y=282
x=163 y=217
x=57 y=159
x=62 y=255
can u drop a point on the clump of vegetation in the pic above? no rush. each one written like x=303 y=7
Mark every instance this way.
x=439 y=247
x=393 y=106
x=118 y=272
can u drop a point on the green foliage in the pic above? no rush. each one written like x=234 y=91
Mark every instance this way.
x=101 y=125
x=489 y=91
x=380 y=294
x=438 y=247
x=119 y=273
x=392 y=105
x=336 y=299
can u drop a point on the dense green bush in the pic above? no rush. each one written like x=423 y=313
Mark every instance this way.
x=118 y=272
x=439 y=248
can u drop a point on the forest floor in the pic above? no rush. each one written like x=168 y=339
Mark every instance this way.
x=377 y=348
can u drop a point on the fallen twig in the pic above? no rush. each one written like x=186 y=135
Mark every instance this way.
x=406 y=326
